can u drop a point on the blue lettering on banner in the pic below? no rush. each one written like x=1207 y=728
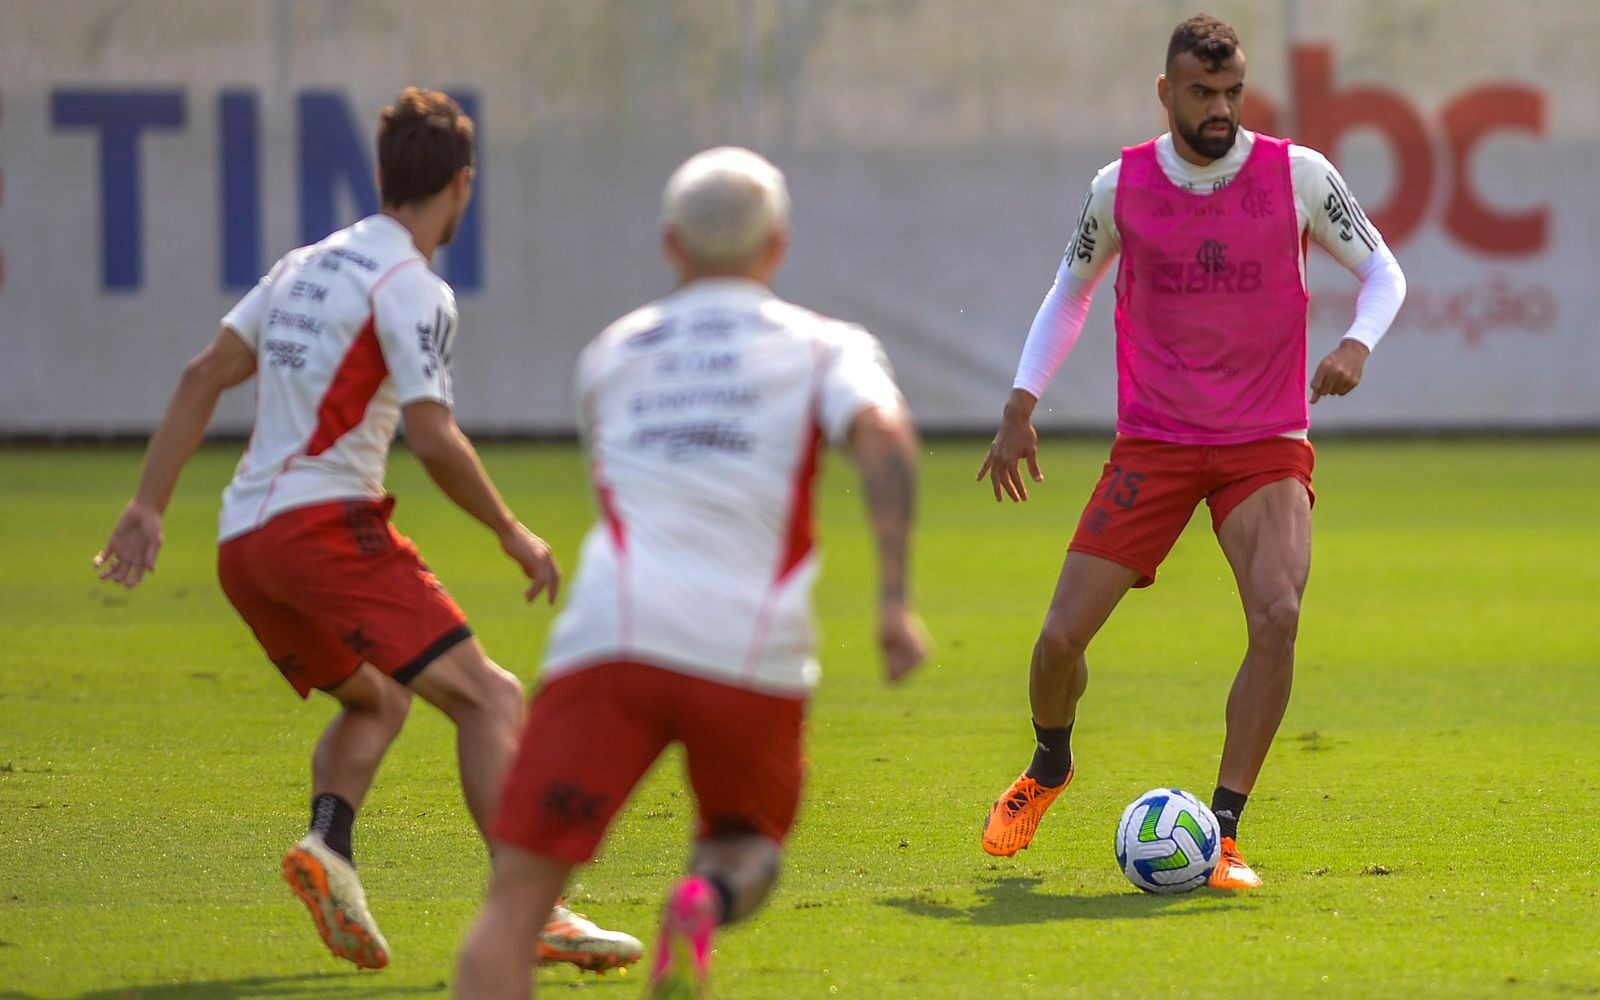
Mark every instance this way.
x=333 y=158
x=239 y=128
x=331 y=150
x=120 y=116
x=463 y=258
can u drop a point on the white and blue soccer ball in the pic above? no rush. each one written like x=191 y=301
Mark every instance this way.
x=1168 y=841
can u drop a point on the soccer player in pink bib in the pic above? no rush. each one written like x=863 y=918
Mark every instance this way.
x=703 y=415
x=1209 y=222
x=348 y=339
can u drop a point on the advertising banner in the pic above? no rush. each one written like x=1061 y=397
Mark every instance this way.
x=156 y=157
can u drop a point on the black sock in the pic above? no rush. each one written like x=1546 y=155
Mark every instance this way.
x=333 y=817
x=724 y=893
x=1228 y=805
x=1052 y=755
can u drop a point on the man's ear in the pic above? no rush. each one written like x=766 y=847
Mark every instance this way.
x=670 y=247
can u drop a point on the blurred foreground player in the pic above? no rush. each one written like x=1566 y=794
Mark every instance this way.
x=347 y=338
x=1210 y=221
x=703 y=414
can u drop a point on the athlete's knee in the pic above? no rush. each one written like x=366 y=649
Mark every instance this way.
x=465 y=684
x=371 y=694
x=1275 y=625
x=503 y=692
x=1061 y=640
x=492 y=693
x=394 y=705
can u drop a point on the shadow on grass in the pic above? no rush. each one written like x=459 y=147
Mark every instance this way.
x=306 y=985
x=1011 y=901
x=302 y=987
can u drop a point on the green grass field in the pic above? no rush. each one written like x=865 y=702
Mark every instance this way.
x=1428 y=823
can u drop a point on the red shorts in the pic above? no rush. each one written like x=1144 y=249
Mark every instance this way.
x=1150 y=489
x=591 y=735
x=328 y=586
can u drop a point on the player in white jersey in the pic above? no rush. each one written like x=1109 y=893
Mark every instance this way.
x=347 y=338
x=703 y=414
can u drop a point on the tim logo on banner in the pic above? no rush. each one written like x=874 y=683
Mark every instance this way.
x=333 y=155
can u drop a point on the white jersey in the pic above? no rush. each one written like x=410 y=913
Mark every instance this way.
x=703 y=414
x=346 y=332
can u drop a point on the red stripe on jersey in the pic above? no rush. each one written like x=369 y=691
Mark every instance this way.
x=373 y=293
x=607 y=499
x=801 y=537
x=608 y=509
x=355 y=383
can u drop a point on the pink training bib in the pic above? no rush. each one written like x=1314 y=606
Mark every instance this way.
x=1211 y=307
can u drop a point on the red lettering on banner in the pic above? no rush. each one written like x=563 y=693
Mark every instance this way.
x=1493 y=307
x=1321 y=115
x=1467 y=120
x=1260 y=114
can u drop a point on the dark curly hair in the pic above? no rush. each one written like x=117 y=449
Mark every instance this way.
x=424 y=138
x=1211 y=41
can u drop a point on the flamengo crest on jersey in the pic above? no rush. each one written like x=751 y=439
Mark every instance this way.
x=703 y=415
x=346 y=332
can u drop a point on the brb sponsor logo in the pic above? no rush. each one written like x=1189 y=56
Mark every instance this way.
x=1433 y=180
x=1209 y=272
x=333 y=159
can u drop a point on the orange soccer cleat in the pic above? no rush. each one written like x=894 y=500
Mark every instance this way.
x=1232 y=871
x=1016 y=815
x=327 y=884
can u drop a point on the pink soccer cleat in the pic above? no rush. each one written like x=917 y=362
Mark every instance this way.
x=683 y=950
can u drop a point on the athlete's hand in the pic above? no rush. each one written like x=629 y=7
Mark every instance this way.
x=1340 y=371
x=1015 y=441
x=537 y=561
x=131 y=551
x=903 y=640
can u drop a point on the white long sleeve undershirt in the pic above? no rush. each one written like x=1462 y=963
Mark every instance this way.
x=1383 y=291
x=1059 y=321
x=1061 y=316
x=1055 y=329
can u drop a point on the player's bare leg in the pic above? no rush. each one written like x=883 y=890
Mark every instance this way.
x=496 y=962
x=1087 y=591
x=321 y=868
x=485 y=703
x=1267 y=540
x=372 y=711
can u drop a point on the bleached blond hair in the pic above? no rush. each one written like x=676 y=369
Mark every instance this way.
x=724 y=205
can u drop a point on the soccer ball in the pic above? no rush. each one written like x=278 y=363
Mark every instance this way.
x=1168 y=841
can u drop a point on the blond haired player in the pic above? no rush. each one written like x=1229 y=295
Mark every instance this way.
x=347 y=338
x=703 y=414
